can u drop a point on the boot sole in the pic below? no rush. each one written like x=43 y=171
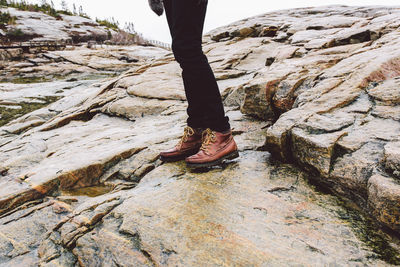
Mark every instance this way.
x=230 y=156
x=178 y=158
x=173 y=159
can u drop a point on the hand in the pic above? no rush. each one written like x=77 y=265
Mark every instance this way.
x=157 y=6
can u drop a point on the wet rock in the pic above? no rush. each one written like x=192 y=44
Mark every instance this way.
x=133 y=168
x=392 y=158
x=352 y=171
x=106 y=245
x=254 y=98
x=211 y=227
x=314 y=150
x=39 y=180
x=326 y=123
x=82 y=177
x=21 y=235
x=384 y=199
x=32 y=101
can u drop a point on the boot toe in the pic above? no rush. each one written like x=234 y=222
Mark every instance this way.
x=193 y=158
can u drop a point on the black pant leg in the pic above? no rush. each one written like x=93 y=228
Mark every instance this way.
x=186 y=20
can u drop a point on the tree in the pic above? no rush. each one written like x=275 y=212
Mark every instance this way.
x=129 y=27
x=64 y=5
x=114 y=22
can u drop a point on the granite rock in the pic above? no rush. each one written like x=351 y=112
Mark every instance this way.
x=82 y=185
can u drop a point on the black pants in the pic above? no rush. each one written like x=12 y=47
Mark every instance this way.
x=185 y=20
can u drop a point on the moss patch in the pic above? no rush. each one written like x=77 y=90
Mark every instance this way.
x=363 y=226
x=9 y=114
x=27 y=80
x=57 y=77
x=90 y=191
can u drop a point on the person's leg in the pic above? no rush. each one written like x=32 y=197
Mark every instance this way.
x=205 y=109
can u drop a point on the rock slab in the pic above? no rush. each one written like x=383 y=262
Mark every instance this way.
x=81 y=183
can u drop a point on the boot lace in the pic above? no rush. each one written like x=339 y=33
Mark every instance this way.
x=187 y=132
x=208 y=137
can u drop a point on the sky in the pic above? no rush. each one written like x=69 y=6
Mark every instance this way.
x=219 y=12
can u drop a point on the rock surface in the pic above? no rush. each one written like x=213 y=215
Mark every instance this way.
x=331 y=87
x=77 y=62
x=39 y=26
x=81 y=183
x=76 y=70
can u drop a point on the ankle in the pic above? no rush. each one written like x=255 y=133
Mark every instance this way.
x=224 y=131
x=198 y=131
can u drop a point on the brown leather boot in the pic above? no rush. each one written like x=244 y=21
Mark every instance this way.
x=189 y=144
x=215 y=148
